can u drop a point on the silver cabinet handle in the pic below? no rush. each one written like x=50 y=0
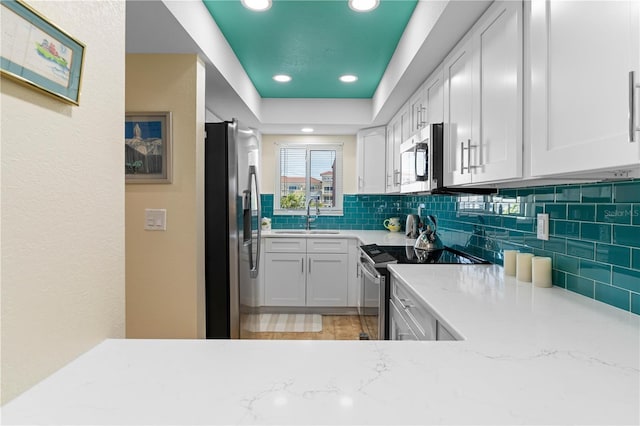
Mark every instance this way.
x=302 y=265
x=632 y=107
x=469 y=155
x=407 y=303
x=309 y=265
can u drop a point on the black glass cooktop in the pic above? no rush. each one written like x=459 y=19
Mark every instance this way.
x=407 y=254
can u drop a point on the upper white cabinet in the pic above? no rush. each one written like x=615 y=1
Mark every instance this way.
x=581 y=56
x=370 y=160
x=433 y=90
x=394 y=139
x=483 y=87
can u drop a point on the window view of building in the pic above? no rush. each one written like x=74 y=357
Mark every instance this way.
x=308 y=171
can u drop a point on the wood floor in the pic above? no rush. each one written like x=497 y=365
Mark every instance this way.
x=334 y=327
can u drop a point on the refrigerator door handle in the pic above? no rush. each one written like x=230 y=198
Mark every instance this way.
x=253 y=177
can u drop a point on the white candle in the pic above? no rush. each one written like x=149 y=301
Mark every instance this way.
x=510 y=262
x=523 y=267
x=541 y=271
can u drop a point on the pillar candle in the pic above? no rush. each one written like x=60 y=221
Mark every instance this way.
x=541 y=271
x=510 y=262
x=523 y=266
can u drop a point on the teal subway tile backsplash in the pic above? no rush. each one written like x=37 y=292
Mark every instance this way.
x=627 y=192
x=594 y=228
x=597 y=193
x=626 y=235
x=580 y=285
x=612 y=296
x=595 y=232
x=585 y=212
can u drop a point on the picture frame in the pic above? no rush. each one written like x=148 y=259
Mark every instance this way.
x=148 y=147
x=38 y=54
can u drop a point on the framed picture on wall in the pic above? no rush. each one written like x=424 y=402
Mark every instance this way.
x=147 y=147
x=38 y=54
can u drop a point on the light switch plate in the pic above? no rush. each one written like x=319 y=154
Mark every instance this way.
x=543 y=226
x=155 y=219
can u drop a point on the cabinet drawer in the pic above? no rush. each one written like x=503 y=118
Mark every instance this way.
x=417 y=313
x=286 y=245
x=327 y=245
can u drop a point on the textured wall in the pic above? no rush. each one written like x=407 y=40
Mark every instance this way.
x=165 y=270
x=62 y=205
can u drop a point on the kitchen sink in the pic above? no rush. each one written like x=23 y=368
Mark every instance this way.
x=301 y=231
x=304 y=231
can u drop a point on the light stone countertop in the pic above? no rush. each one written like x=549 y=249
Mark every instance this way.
x=530 y=356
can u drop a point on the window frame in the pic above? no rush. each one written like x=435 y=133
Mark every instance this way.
x=338 y=183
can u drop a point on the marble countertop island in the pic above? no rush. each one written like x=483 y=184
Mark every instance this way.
x=529 y=356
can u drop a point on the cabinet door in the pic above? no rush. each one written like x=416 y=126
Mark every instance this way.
x=434 y=97
x=405 y=122
x=458 y=114
x=497 y=153
x=389 y=159
x=581 y=56
x=327 y=279
x=398 y=326
x=371 y=153
x=284 y=281
x=418 y=111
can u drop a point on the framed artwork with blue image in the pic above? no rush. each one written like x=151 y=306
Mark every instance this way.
x=147 y=147
x=38 y=54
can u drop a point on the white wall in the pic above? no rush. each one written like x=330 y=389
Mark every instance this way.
x=62 y=220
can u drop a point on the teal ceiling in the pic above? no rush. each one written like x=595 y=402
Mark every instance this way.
x=314 y=42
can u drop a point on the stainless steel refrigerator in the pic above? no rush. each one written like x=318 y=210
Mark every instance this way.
x=232 y=227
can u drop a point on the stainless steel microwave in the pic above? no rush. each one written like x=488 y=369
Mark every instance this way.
x=421 y=160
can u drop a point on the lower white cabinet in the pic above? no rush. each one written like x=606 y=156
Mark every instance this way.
x=305 y=272
x=285 y=279
x=398 y=325
x=327 y=279
x=410 y=317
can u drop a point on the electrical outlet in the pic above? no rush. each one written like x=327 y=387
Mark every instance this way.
x=543 y=226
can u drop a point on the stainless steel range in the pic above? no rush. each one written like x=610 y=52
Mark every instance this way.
x=373 y=303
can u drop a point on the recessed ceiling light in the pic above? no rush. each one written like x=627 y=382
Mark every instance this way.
x=258 y=5
x=348 y=78
x=307 y=130
x=363 y=5
x=282 y=78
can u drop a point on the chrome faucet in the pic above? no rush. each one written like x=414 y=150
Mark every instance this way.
x=309 y=218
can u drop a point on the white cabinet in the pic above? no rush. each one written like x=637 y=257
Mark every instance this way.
x=398 y=326
x=285 y=279
x=327 y=279
x=370 y=160
x=394 y=139
x=434 y=96
x=306 y=272
x=581 y=56
x=483 y=99
x=418 y=107
x=411 y=318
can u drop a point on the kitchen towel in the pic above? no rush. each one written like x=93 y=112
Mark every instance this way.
x=258 y=323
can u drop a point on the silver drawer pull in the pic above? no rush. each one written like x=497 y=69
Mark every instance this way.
x=407 y=303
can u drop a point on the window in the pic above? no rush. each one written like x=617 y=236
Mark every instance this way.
x=305 y=172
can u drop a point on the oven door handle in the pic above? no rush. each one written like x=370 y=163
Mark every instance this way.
x=366 y=270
